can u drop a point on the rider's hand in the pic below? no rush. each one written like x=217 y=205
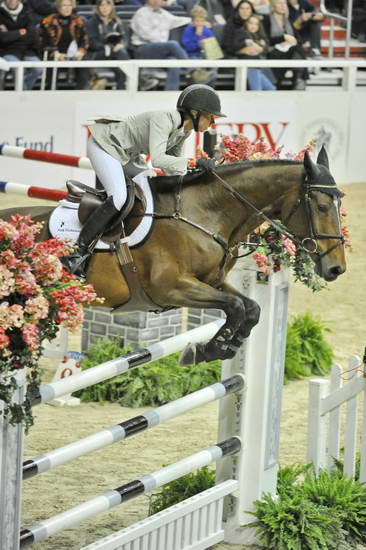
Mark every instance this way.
x=205 y=164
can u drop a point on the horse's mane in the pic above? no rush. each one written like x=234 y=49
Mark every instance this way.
x=168 y=183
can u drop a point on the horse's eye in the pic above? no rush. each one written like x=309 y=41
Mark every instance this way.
x=322 y=208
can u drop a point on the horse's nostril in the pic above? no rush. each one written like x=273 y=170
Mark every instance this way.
x=337 y=270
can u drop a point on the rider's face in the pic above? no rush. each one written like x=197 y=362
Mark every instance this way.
x=206 y=119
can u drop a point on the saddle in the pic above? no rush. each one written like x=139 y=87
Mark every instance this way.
x=131 y=215
x=89 y=199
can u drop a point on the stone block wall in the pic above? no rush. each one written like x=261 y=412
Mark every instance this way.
x=139 y=329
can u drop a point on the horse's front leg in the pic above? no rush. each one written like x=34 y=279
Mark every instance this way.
x=249 y=321
x=190 y=292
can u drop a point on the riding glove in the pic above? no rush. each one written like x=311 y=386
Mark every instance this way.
x=205 y=164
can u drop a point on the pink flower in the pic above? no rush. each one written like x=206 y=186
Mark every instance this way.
x=262 y=262
x=25 y=283
x=288 y=245
x=7 y=231
x=7 y=282
x=4 y=341
x=8 y=258
x=30 y=337
x=37 y=308
x=47 y=269
x=11 y=316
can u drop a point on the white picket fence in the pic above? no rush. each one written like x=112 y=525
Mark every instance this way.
x=325 y=418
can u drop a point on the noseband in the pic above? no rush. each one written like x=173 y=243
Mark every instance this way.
x=309 y=244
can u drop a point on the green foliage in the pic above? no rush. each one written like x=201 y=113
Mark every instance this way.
x=294 y=523
x=307 y=351
x=160 y=382
x=312 y=512
x=181 y=489
x=339 y=464
x=344 y=495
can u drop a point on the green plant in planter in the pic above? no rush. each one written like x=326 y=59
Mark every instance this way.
x=324 y=511
x=292 y=522
x=342 y=495
x=307 y=351
x=181 y=489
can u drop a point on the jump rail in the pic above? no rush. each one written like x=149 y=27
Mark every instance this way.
x=44 y=156
x=32 y=191
x=128 y=491
x=125 y=363
x=130 y=427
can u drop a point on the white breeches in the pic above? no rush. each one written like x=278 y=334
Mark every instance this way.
x=109 y=172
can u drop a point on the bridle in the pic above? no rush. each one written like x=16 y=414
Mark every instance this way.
x=308 y=244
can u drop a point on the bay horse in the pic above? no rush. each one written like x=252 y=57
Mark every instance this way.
x=190 y=250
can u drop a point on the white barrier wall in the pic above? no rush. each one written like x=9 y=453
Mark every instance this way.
x=54 y=121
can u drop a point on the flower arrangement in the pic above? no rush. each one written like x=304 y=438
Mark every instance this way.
x=271 y=248
x=37 y=296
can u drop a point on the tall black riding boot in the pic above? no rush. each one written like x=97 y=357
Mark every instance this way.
x=93 y=229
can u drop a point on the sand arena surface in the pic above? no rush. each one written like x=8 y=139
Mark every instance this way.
x=341 y=308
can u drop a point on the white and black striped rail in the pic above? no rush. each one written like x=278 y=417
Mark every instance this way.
x=89 y=377
x=130 y=427
x=144 y=484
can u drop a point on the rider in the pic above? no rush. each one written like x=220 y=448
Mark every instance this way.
x=115 y=144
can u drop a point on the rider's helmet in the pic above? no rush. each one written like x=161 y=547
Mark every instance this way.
x=200 y=98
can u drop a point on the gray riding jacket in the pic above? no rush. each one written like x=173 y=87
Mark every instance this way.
x=154 y=133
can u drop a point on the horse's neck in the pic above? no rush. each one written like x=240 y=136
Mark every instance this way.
x=266 y=186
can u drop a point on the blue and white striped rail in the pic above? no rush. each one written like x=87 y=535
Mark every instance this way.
x=48 y=392
x=130 y=427
x=128 y=491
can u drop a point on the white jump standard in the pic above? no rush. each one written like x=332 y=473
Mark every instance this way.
x=130 y=427
x=41 y=531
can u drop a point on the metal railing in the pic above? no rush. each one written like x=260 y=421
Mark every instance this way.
x=348 y=20
x=133 y=66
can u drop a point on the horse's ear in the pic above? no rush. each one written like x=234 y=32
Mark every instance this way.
x=323 y=158
x=311 y=168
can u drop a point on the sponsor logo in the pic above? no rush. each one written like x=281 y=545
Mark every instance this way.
x=272 y=132
x=326 y=132
x=39 y=145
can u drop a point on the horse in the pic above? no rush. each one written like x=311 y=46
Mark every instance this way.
x=195 y=239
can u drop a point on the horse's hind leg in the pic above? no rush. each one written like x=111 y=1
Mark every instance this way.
x=190 y=292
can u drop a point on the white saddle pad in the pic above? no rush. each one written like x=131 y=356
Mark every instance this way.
x=64 y=222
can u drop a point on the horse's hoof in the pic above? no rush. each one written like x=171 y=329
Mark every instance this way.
x=188 y=355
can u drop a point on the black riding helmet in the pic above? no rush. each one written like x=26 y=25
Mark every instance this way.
x=201 y=98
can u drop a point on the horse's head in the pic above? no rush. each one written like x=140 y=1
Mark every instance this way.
x=315 y=217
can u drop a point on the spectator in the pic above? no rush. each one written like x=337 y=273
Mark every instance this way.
x=40 y=9
x=284 y=43
x=129 y=3
x=307 y=21
x=195 y=32
x=151 y=26
x=256 y=47
x=236 y=35
x=191 y=41
x=107 y=38
x=234 y=39
x=65 y=33
x=18 y=40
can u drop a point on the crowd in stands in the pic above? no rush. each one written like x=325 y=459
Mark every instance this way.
x=257 y=29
